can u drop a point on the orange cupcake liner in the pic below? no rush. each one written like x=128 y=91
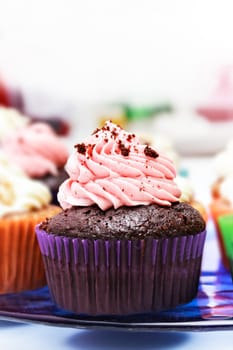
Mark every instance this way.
x=21 y=266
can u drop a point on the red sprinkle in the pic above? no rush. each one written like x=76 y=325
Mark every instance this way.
x=89 y=149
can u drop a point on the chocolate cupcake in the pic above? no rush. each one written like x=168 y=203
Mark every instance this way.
x=40 y=153
x=123 y=243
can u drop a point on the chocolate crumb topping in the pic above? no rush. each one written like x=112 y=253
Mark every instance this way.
x=95 y=131
x=130 y=137
x=124 y=150
x=81 y=148
x=150 y=152
x=114 y=133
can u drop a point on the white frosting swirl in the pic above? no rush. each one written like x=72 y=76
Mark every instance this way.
x=10 y=120
x=17 y=192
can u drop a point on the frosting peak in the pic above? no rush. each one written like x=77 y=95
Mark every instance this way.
x=112 y=169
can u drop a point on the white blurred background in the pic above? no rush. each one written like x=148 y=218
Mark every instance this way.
x=114 y=50
x=84 y=53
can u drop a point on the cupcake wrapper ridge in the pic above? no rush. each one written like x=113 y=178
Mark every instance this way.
x=98 y=277
x=21 y=265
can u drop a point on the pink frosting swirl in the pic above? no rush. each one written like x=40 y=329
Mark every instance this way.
x=112 y=169
x=36 y=149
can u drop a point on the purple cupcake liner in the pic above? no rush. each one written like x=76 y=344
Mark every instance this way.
x=120 y=277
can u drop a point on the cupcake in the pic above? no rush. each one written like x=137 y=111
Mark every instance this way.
x=123 y=243
x=23 y=204
x=10 y=120
x=40 y=153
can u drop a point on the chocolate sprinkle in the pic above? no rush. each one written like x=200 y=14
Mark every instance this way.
x=81 y=148
x=150 y=152
x=95 y=131
x=130 y=137
x=124 y=150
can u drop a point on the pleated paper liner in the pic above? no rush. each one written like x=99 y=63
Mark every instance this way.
x=120 y=277
x=21 y=265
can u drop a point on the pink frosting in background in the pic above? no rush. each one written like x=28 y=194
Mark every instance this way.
x=112 y=169
x=36 y=149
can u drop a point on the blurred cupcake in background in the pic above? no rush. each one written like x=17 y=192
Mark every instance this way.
x=219 y=107
x=189 y=133
x=11 y=120
x=221 y=205
x=23 y=204
x=188 y=195
x=40 y=153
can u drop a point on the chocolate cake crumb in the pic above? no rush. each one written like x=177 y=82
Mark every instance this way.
x=81 y=148
x=114 y=134
x=123 y=149
x=150 y=152
x=95 y=131
x=130 y=137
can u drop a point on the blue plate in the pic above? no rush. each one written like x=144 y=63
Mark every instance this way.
x=211 y=310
